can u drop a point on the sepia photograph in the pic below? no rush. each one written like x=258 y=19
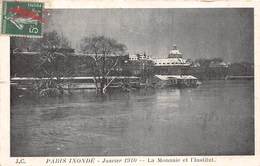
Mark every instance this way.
x=132 y=82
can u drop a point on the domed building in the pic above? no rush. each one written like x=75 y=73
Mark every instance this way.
x=173 y=71
x=174 y=64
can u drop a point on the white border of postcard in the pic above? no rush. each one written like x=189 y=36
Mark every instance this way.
x=6 y=160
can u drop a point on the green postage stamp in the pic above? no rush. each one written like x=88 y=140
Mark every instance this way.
x=22 y=18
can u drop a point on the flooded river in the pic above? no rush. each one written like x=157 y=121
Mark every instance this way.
x=216 y=118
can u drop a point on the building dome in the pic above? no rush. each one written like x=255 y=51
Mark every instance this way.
x=175 y=53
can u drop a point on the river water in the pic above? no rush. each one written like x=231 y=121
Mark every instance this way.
x=217 y=118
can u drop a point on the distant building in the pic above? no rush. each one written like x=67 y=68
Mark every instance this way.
x=139 y=56
x=218 y=65
x=133 y=57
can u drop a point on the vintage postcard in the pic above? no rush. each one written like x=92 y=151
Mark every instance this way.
x=129 y=83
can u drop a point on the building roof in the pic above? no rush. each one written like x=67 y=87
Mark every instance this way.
x=170 y=62
x=179 y=77
x=218 y=64
x=175 y=52
x=133 y=56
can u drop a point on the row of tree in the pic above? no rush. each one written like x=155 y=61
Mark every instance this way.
x=216 y=68
x=48 y=60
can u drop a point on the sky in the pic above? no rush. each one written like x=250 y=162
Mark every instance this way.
x=198 y=33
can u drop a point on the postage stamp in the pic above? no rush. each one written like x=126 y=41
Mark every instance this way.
x=22 y=18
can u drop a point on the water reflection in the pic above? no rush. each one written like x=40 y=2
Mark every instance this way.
x=212 y=119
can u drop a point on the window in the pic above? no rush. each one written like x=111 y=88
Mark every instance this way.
x=173 y=80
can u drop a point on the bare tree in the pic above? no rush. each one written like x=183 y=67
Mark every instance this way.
x=53 y=62
x=52 y=58
x=48 y=60
x=105 y=53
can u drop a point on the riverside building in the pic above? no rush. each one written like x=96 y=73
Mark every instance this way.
x=175 y=64
x=173 y=71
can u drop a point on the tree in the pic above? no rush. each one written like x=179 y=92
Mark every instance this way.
x=53 y=61
x=48 y=60
x=105 y=53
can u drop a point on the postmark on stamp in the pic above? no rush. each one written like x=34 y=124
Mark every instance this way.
x=22 y=18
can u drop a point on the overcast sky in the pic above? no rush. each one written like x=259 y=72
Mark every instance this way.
x=198 y=33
